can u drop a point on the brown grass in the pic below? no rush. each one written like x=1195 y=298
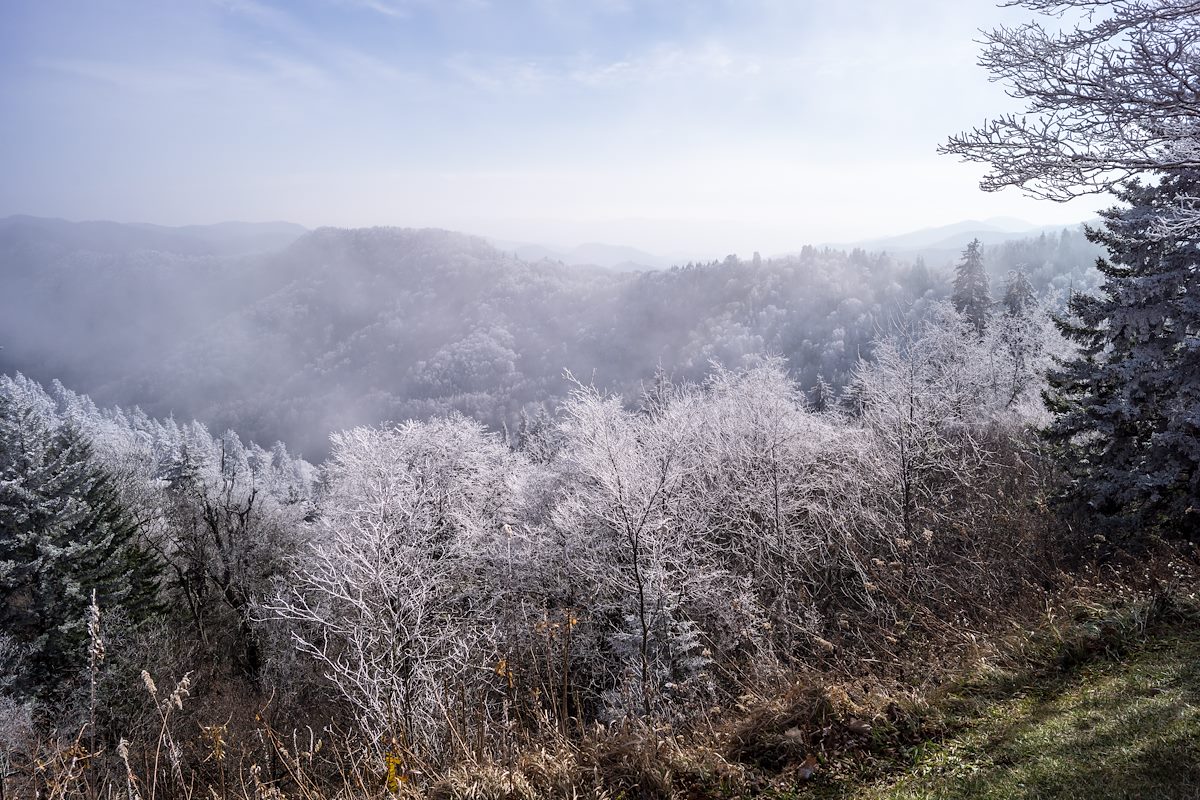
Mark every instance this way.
x=844 y=716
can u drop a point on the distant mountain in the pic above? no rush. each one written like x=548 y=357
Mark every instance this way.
x=223 y=239
x=944 y=244
x=595 y=254
x=344 y=327
x=615 y=257
x=1010 y=224
x=232 y=238
x=87 y=301
x=938 y=236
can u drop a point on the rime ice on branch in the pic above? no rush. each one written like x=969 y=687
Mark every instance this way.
x=1112 y=90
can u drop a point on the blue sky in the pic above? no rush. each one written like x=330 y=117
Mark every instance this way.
x=678 y=126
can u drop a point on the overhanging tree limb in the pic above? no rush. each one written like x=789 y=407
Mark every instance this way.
x=1113 y=93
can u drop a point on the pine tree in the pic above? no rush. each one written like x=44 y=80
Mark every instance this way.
x=822 y=398
x=852 y=399
x=919 y=279
x=971 y=287
x=1018 y=294
x=1129 y=404
x=63 y=534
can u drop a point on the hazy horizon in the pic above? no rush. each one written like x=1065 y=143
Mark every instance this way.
x=708 y=127
x=954 y=230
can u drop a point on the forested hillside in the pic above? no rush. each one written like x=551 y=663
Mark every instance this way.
x=346 y=327
x=433 y=593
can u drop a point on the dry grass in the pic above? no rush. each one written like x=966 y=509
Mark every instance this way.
x=825 y=729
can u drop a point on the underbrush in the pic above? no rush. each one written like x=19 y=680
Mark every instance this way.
x=848 y=718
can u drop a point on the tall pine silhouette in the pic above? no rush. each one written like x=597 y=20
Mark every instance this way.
x=1129 y=404
x=971 y=287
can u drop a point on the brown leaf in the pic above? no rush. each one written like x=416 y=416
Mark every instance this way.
x=856 y=725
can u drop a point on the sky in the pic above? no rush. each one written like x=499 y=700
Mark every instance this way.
x=684 y=127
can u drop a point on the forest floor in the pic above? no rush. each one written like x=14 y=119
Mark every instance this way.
x=1113 y=725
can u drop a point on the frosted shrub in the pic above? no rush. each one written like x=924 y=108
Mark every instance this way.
x=619 y=510
x=389 y=598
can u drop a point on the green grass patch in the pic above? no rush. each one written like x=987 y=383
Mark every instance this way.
x=1112 y=727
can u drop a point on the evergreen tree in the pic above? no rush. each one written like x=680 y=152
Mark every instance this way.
x=852 y=398
x=971 y=287
x=822 y=398
x=1129 y=404
x=63 y=533
x=1018 y=294
x=919 y=279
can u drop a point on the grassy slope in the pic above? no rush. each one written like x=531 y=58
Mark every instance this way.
x=1108 y=729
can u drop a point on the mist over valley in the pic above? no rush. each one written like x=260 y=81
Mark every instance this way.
x=284 y=334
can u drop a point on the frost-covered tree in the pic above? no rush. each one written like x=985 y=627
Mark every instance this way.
x=64 y=533
x=954 y=460
x=1112 y=95
x=937 y=396
x=822 y=397
x=624 y=474
x=1111 y=92
x=1019 y=295
x=231 y=517
x=970 y=296
x=777 y=494
x=1129 y=404
x=702 y=531
x=1021 y=347
x=219 y=515
x=918 y=398
x=394 y=598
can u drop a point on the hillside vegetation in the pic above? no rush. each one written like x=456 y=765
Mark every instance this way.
x=347 y=327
